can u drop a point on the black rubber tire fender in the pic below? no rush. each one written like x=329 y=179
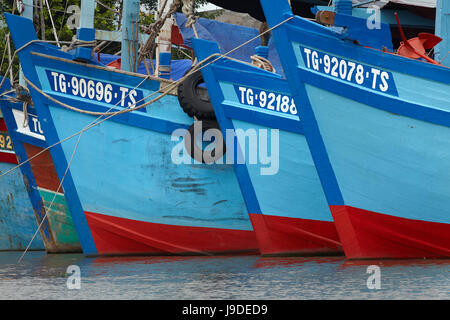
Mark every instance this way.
x=193 y=99
x=197 y=153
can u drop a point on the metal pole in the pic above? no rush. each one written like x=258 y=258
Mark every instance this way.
x=87 y=13
x=164 y=47
x=130 y=41
x=26 y=13
x=443 y=30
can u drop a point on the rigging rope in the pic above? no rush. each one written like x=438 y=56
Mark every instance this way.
x=262 y=63
x=148 y=49
x=109 y=115
x=53 y=24
x=168 y=88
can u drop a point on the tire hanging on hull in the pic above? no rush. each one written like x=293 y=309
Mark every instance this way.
x=194 y=99
x=199 y=153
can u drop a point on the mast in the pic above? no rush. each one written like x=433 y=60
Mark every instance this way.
x=442 y=50
x=164 y=46
x=343 y=6
x=87 y=13
x=86 y=31
x=130 y=34
x=26 y=13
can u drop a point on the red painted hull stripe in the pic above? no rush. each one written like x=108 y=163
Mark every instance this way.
x=3 y=125
x=366 y=234
x=8 y=157
x=42 y=167
x=114 y=235
x=282 y=235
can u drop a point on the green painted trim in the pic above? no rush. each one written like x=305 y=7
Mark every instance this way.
x=60 y=221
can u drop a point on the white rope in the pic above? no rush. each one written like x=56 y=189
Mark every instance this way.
x=20 y=49
x=11 y=59
x=188 y=10
x=3 y=58
x=55 y=144
x=149 y=47
x=107 y=7
x=53 y=200
x=168 y=89
x=53 y=24
x=98 y=120
x=262 y=63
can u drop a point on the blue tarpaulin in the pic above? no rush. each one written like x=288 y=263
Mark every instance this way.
x=178 y=67
x=228 y=36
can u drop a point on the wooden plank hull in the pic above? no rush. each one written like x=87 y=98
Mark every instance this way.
x=380 y=144
x=284 y=196
x=57 y=231
x=124 y=183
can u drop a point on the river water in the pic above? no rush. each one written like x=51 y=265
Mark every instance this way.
x=42 y=276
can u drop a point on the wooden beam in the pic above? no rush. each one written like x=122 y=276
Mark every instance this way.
x=130 y=31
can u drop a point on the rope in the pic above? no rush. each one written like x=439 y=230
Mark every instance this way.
x=169 y=87
x=150 y=45
x=110 y=115
x=262 y=63
x=63 y=18
x=107 y=7
x=53 y=200
x=61 y=11
x=11 y=59
x=80 y=43
x=20 y=49
x=445 y=57
x=3 y=58
x=53 y=24
x=188 y=10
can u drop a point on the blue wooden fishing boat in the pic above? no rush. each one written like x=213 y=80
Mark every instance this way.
x=377 y=125
x=43 y=186
x=125 y=191
x=284 y=197
x=17 y=220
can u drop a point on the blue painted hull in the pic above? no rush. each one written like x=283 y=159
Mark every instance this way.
x=46 y=197
x=17 y=220
x=126 y=193
x=285 y=199
x=378 y=128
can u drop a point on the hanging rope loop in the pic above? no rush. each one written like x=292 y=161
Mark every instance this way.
x=188 y=10
x=263 y=63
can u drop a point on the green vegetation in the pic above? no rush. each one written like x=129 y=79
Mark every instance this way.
x=105 y=19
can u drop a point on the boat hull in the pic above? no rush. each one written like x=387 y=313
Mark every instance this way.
x=198 y=206
x=17 y=220
x=284 y=197
x=123 y=173
x=379 y=137
x=286 y=236
x=121 y=236
x=370 y=235
x=63 y=237
x=57 y=231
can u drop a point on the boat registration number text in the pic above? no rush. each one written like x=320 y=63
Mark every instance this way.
x=94 y=90
x=349 y=71
x=266 y=100
x=34 y=125
x=5 y=142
